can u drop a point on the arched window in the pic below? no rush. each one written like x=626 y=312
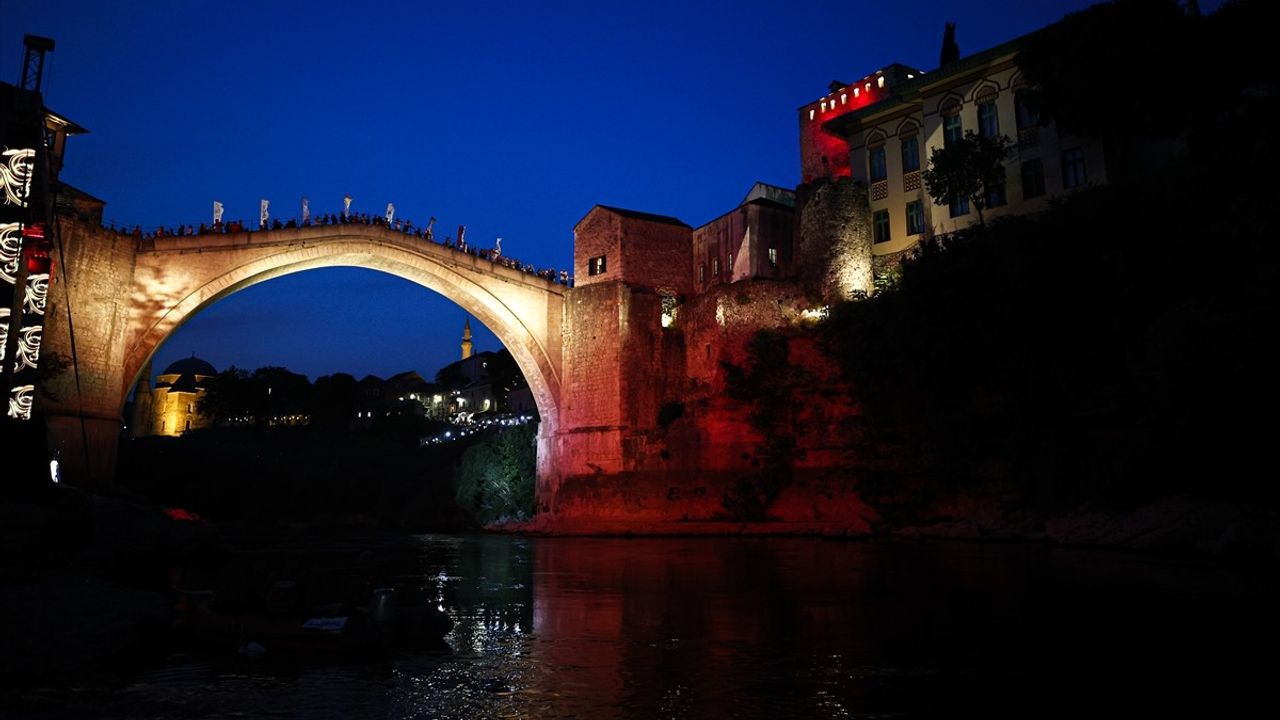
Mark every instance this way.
x=952 y=128
x=910 y=139
x=988 y=114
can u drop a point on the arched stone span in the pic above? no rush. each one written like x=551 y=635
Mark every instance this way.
x=128 y=296
x=181 y=276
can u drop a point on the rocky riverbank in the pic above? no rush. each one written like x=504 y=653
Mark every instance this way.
x=1177 y=524
x=84 y=584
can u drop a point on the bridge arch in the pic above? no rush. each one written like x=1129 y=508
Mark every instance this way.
x=178 y=277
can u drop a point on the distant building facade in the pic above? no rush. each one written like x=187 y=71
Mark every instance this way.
x=173 y=407
x=890 y=122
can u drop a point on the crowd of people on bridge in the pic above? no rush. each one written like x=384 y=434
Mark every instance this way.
x=426 y=232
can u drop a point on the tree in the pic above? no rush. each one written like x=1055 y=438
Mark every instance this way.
x=967 y=169
x=496 y=477
x=227 y=395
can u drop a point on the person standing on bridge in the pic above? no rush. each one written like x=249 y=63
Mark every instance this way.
x=429 y=233
x=497 y=248
x=462 y=238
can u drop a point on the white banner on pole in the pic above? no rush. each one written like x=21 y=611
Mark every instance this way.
x=217 y=212
x=306 y=211
x=391 y=211
x=264 y=215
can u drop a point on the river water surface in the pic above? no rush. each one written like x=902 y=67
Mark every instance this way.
x=766 y=628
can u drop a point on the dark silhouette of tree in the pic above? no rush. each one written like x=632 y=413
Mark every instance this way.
x=950 y=50
x=227 y=396
x=281 y=391
x=504 y=376
x=1117 y=71
x=265 y=393
x=334 y=398
x=451 y=377
x=968 y=169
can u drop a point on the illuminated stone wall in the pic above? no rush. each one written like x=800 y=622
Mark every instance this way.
x=642 y=250
x=127 y=296
x=96 y=284
x=835 y=239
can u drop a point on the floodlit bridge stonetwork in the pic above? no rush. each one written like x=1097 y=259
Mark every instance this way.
x=127 y=295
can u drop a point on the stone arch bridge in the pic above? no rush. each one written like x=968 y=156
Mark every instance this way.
x=126 y=296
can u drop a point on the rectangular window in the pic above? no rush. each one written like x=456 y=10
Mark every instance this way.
x=596 y=266
x=995 y=196
x=876 y=159
x=773 y=257
x=880 y=223
x=702 y=273
x=1073 y=170
x=1032 y=179
x=910 y=154
x=915 y=218
x=952 y=130
x=728 y=265
x=960 y=207
x=1025 y=109
x=988 y=120
x=715 y=267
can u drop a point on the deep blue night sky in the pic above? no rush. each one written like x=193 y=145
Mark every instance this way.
x=511 y=118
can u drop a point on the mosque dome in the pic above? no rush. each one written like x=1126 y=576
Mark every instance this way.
x=190 y=366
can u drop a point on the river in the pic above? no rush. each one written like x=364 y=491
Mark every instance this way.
x=761 y=628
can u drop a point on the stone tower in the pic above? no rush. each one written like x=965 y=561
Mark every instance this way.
x=466 y=340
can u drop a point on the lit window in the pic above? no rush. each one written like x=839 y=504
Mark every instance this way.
x=1032 y=179
x=880 y=81
x=596 y=265
x=880 y=223
x=1073 y=170
x=715 y=267
x=773 y=257
x=844 y=98
x=728 y=264
x=810 y=113
x=824 y=106
x=988 y=120
x=876 y=160
x=856 y=91
x=915 y=218
x=960 y=207
x=910 y=153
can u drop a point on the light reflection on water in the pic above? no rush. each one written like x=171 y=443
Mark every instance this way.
x=759 y=628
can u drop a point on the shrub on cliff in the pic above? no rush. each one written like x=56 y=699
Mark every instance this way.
x=765 y=384
x=496 y=477
x=1113 y=350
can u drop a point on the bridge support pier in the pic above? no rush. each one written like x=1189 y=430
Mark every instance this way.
x=85 y=447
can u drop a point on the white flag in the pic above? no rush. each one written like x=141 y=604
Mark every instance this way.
x=264 y=214
x=391 y=211
x=306 y=211
x=346 y=206
x=217 y=212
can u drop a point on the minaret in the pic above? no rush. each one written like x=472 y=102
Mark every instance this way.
x=466 y=340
